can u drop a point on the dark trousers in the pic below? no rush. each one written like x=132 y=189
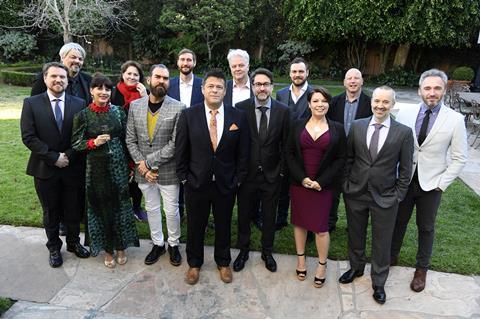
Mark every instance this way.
x=427 y=204
x=135 y=194
x=61 y=199
x=383 y=221
x=333 y=217
x=268 y=194
x=199 y=203
x=284 y=200
x=181 y=200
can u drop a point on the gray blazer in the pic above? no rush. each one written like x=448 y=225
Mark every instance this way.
x=160 y=152
x=388 y=176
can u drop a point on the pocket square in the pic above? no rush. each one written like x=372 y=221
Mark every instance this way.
x=233 y=127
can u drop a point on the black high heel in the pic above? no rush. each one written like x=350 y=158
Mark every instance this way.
x=301 y=274
x=318 y=282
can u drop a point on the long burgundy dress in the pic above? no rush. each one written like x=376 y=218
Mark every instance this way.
x=311 y=208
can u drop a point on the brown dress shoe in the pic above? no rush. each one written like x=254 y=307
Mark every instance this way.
x=192 y=275
x=418 y=281
x=225 y=274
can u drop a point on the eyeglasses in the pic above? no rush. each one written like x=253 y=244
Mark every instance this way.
x=259 y=85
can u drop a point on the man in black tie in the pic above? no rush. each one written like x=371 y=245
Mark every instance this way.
x=268 y=121
x=377 y=173
x=46 y=126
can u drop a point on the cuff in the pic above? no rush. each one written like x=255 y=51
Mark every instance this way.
x=91 y=144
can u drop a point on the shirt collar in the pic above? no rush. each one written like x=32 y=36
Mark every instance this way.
x=268 y=104
x=207 y=109
x=304 y=87
x=246 y=84
x=355 y=99
x=385 y=123
x=424 y=108
x=51 y=97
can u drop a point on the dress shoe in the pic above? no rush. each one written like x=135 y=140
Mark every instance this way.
x=175 y=257
x=280 y=226
x=349 y=275
x=140 y=214
x=154 y=254
x=270 y=263
x=242 y=258
x=379 y=294
x=419 y=279
x=55 y=259
x=394 y=261
x=193 y=275
x=225 y=274
x=79 y=250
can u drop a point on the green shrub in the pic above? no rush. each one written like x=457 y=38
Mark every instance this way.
x=463 y=73
x=17 y=78
x=16 y=44
x=397 y=76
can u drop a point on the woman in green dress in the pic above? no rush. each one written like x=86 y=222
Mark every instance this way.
x=99 y=130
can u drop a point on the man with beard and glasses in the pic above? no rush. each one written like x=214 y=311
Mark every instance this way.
x=353 y=104
x=295 y=96
x=150 y=138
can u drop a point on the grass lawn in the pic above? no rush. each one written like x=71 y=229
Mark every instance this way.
x=5 y=303
x=456 y=246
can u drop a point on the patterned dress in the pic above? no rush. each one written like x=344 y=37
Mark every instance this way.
x=111 y=222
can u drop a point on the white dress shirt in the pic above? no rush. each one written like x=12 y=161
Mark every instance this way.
x=51 y=97
x=240 y=93
x=186 y=89
x=302 y=92
x=382 y=134
x=220 y=119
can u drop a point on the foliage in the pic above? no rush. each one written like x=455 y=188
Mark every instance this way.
x=463 y=73
x=17 y=78
x=292 y=49
x=16 y=45
x=397 y=76
x=5 y=304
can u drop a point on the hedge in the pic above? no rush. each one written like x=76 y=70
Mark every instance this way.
x=17 y=78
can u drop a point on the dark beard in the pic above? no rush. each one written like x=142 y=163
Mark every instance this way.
x=189 y=71
x=158 y=91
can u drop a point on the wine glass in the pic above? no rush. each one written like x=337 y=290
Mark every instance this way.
x=105 y=130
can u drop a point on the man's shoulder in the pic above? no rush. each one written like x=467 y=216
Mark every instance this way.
x=74 y=100
x=245 y=104
x=174 y=102
x=284 y=90
x=338 y=97
x=139 y=102
x=280 y=105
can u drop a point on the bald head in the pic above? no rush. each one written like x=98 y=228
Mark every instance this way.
x=353 y=82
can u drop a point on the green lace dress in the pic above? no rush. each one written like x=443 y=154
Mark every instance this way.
x=111 y=222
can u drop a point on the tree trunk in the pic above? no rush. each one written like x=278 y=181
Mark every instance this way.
x=384 y=54
x=416 y=59
x=401 y=55
x=67 y=37
x=356 y=54
x=259 y=50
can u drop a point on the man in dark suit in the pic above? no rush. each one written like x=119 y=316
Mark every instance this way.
x=268 y=121
x=295 y=97
x=46 y=126
x=238 y=88
x=353 y=104
x=211 y=153
x=72 y=55
x=377 y=174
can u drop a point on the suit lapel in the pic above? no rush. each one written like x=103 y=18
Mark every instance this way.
x=390 y=136
x=272 y=123
x=227 y=122
x=203 y=122
x=162 y=114
x=363 y=135
x=252 y=119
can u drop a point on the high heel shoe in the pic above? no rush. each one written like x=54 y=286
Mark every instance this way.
x=122 y=260
x=318 y=282
x=109 y=263
x=301 y=274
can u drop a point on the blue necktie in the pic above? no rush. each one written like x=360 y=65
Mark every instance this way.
x=58 y=115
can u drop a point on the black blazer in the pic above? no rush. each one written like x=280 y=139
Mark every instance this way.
x=39 y=86
x=197 y=95
x=388 y=176
x=300 y=110
x=336 y=111
x=41 y=136
x=194 y=155
x=330 y=172
x=271 y=154
x=227 y=100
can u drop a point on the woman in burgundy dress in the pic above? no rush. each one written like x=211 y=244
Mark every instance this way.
x=315 y=158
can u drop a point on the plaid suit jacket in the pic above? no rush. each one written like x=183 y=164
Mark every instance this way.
x=161 y=150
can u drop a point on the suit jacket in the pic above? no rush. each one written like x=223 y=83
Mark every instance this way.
x=228 y=99
x=270 y=154
x=300 y=110
x=197 y=95
x=386 y=177
x=336 y=111
x=84 y=79
x=196 y=160
x=41 y=136
x=432 y=157
x=161 y=150
x=330 y=172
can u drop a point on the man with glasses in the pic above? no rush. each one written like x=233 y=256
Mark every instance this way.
x=268 y=121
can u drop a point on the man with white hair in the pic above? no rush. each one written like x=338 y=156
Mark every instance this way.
x=238 y=89
x=72 y=55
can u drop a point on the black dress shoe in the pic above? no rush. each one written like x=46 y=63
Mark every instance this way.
x=79 y=250
x=154 y=254
x=55 y=259
x=348 y=276
x=270 y=263
x=280 y=226
x=379 y=294
x=175 y=257
x=242 y=258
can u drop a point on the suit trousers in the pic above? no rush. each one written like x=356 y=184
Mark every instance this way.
x=198 y=203
x=333 y=217
x=154 y=195
x=284 y=200
x=383 y=221
x=61 y=199
x=427 y=204
x=268 y=194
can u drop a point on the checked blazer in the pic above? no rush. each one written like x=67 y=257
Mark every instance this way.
x=161 y=150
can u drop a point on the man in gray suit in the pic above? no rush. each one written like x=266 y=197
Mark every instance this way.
x=377 y=174
x=151 y=131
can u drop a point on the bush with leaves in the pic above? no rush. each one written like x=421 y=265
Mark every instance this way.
x=397 y=76
x=16 y=45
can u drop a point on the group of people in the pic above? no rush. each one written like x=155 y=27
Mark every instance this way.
x=196 y=146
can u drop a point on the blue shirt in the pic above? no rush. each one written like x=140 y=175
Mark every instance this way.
x=421 y=116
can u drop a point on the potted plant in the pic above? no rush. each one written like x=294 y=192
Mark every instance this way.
x=461 y=78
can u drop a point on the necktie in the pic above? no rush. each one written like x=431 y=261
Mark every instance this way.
x=373 y=148
x=422 y=135
x=73 y=83
x=262 y=129
x=212 y=128
x=58 y=114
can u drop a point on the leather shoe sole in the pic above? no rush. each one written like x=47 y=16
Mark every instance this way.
x=349 y=276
